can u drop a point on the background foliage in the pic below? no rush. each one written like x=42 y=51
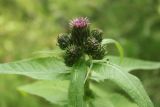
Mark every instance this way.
x=27 y=26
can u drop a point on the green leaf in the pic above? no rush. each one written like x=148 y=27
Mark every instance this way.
x=102 y=102
x=129 y=83
x=48 y=68
x=107 y=96
x=76 y=89
x=129 y=64
x=57 y=52
x=117 y=44
x=114 y=100
x=54 y=91
x=102 y=97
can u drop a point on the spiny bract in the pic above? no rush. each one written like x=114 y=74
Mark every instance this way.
x=97 y=33
x=72 y=54
x=64 y=41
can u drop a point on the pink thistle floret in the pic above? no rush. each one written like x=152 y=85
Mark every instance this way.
x=79 y=22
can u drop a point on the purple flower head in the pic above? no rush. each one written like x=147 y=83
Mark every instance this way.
x=80 y=22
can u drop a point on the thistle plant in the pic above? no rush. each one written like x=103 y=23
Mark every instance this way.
x=82 y=73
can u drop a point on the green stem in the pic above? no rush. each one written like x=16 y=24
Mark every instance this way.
x=87 y=91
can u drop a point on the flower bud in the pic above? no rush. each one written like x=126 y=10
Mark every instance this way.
x=99 y=53
x=79 y=30
x=97 y=33
x=79 y=23
x=91 y=45
x=73 y=53
x=64 y=41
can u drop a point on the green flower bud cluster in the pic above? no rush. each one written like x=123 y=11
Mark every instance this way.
x=81 y=41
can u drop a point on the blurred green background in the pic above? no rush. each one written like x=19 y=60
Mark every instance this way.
x=27 y=26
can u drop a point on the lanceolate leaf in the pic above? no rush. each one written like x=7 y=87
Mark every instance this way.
x=48 y=53
x=102 y=97
x=115 y=100
x=129 y=64
x=54 y=91
x=48 y=68
x=76 y=88
x=106 y=96
x=129 y=83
